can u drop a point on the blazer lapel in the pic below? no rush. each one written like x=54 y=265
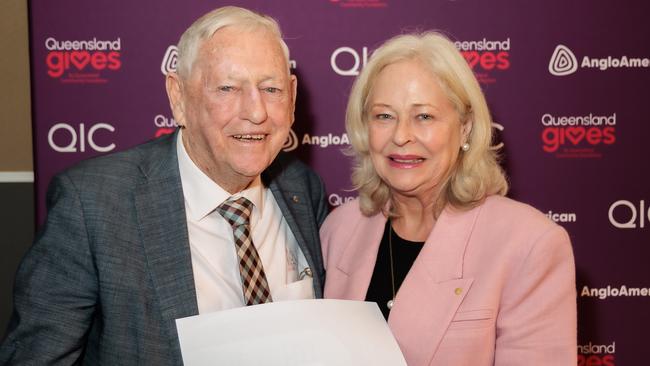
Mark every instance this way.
x=434 y=288
x=358 y=261
x=161 y=216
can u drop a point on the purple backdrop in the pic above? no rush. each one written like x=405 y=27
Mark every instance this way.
x=566 y=82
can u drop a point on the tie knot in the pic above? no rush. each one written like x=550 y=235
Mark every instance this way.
x=236 y=211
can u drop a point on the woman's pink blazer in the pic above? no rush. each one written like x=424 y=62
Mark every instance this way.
x=494 y=285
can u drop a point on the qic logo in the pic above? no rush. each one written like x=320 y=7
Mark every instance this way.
x=341 y=57
x=564 y=62
x=577 y=136
x=82 y=60
x=67 y=138
x=499 y=127
x=596 y=354
x=485 y=56
x=632 y=218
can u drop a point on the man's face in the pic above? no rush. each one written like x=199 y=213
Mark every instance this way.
x=236 y=105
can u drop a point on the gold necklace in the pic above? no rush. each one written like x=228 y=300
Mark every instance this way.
x=390 y=302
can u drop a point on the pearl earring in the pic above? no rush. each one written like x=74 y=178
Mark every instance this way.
x=465 y=147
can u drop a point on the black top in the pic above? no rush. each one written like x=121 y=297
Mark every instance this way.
x=380 y=289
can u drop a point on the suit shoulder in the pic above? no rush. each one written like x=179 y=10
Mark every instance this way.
x=289 y=173
x=124 y=164
x=124 y=169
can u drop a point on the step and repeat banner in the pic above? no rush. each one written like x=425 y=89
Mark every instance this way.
x=567 y=83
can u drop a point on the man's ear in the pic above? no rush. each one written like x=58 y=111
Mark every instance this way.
x=293 y=81
x=174 y=86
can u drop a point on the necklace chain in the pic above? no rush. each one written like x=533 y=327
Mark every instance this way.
x=390 y=302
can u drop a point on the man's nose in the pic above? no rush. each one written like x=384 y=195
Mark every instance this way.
x=253 y=108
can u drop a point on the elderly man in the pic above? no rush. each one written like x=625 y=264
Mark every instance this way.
x=206 y=219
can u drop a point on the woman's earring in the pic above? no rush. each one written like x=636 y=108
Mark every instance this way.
x=465 y=147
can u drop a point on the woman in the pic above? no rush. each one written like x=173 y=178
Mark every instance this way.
x=464 y=275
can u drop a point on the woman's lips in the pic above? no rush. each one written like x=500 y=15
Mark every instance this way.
x=404 y=161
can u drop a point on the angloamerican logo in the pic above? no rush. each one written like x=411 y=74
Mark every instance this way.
x=82 y=61
x=564 y=62
x=603 y=293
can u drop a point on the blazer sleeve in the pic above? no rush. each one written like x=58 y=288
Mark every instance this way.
x=55 y=290
x=536 y=323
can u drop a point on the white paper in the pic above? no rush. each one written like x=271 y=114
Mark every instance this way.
x=288 y=333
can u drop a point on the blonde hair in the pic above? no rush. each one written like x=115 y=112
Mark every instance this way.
x=476 y=173
x=208 y=24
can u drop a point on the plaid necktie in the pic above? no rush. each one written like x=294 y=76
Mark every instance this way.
x=237 y=212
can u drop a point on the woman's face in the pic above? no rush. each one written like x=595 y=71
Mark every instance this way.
x=414 y=131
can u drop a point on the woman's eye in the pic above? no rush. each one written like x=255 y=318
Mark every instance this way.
x=425 y=116
x=383 y=116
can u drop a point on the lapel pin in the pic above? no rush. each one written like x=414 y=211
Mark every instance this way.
x=458 y=291
x=295 y=199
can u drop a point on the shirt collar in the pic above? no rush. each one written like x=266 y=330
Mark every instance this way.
x=203 y=195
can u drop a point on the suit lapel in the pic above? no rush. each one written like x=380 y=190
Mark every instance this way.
x=161 y=217
x=295 y=208
x=434 y=288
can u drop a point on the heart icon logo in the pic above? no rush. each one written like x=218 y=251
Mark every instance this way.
x=80 y=59
x=575 y=134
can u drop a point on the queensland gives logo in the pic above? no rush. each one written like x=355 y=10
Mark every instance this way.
x=564 y=62
x=336 y=200
x=486 y=57
x=578 y=136
x=596 y=354
x=164 y=125
x=85 y=61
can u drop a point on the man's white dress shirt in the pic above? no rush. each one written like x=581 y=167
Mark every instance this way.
x=214 y=260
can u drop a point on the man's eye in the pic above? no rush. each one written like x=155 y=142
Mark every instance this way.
x=272 y=90
x=226 y=88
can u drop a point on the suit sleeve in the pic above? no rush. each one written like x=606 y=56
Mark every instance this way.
x=55 y=290
x=537 y=320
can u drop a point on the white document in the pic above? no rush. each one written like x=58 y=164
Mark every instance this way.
x=290 y=333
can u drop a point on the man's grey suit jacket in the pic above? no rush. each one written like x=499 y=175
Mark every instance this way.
x=111 y=270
